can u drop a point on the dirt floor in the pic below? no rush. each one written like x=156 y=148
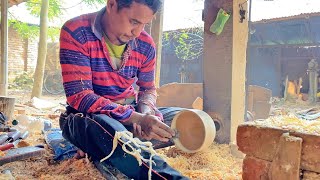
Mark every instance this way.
x=214 y=163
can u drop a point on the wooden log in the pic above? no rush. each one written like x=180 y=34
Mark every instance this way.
x=7 y=106
x=286 y=164
x=262 y=142
x=255 y=169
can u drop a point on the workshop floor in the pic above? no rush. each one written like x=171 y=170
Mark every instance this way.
x=214 y=163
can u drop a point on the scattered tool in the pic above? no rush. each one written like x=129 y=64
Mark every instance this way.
x=13 y=136
x=14 y=141
x=3 y=138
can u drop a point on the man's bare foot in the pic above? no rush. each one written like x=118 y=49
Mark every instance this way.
x=80 y=154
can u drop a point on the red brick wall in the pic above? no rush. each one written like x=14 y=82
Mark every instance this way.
x=23 y=53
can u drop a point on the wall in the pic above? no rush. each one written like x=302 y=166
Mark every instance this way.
x=22 y=53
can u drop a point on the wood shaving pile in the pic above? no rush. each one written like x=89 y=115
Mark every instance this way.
x=292 y=123
x=42 y=169
x=211 y=164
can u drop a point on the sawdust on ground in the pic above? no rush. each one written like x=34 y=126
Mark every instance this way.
x=214 y=163
x=211 y=164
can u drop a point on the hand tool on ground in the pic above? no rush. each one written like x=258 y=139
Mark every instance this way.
x=13 y=136
x=14 y=143
x=3 y=138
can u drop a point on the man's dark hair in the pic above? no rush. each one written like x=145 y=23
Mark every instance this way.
x=154 y=5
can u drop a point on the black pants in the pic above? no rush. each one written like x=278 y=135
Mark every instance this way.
x=93 y=134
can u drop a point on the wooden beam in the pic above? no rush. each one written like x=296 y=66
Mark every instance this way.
x=156 y=33
x=4 y=49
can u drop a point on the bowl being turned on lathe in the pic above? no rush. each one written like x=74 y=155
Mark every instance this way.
x=196 y=130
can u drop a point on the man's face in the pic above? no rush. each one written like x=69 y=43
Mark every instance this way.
x=127 y=23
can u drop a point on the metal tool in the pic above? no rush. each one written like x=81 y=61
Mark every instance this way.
x=13 y=136
x=3 y=138
x=15 y=142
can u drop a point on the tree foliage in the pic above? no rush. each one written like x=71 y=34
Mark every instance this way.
x=187 y=43
x=56 y=9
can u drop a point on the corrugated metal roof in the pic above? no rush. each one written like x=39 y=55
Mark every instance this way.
x=302 y=30
x=299 y=16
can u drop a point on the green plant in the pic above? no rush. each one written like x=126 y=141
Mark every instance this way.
x=23 y=81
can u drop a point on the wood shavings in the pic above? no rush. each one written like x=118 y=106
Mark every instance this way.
x=2 y=153
x=23 y=144
x=42 y=169
x=127 y=139
x=211 y=164
x=291 y=123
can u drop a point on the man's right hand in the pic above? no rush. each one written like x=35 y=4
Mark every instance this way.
x=151 y=127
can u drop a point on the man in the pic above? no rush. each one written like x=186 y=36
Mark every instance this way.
x=101 y=55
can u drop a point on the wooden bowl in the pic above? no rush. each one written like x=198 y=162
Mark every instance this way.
x=196 y=130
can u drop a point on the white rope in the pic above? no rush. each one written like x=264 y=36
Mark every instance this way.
x=128 y=136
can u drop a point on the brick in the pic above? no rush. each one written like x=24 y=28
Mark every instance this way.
x=258 y=142
x=255 y=169
x=286 y=164
x=262 y=142
x=310 y=158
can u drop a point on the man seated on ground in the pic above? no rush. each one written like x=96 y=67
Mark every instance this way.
x=101 y=55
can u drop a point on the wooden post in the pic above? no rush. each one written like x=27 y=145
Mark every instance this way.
x=224 y=67
x=7 y=106
x=156 y=33
x=4 y=49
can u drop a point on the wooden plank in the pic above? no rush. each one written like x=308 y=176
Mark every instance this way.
x=21 y=153
x=255 y=169
x=262 y=142
x=286 y=164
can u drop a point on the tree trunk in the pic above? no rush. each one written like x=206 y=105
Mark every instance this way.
x=42 y=50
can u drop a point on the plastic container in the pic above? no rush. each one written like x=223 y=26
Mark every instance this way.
x=32 y=124
x=196 y=130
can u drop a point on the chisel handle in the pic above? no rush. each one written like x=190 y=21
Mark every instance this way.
x=6 y=147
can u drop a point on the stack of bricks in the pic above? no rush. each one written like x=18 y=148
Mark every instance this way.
x=277 y=154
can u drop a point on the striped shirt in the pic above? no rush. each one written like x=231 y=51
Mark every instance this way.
x=91 y=83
